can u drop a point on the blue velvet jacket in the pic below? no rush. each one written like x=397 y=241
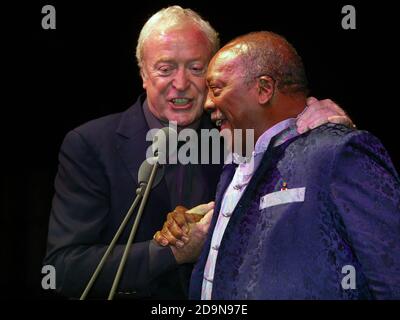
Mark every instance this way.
x=350 y=216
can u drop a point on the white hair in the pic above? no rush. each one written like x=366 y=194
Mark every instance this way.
x=174 y=16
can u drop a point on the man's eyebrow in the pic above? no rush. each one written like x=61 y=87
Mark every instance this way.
x=212 y=81
x=171 y=60
x=163 y=60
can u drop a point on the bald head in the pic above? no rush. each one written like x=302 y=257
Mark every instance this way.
x=255 y=81
x=267 y=53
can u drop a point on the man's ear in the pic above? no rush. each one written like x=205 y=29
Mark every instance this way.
x=266 y=89
x=144 y=78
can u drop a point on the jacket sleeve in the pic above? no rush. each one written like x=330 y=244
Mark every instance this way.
x=366 y=191
x=80 y=213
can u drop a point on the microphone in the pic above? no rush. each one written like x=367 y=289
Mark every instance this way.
x=145 y=171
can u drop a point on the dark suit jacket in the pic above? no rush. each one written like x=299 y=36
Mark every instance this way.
x=94 y=188
x=298 y=250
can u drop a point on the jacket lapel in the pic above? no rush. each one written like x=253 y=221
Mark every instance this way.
x=242 y=211
x=270 y=158
x=226 y=177
x=197 y=276
x=131 y=138
x=132 y=146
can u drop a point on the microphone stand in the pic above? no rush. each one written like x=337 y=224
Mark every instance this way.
x=139 y=195
x=140 y=192
x=133 y=230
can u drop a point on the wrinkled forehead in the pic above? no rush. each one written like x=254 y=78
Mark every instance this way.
x=186 y=32
x=183 y=43
x=225 y=62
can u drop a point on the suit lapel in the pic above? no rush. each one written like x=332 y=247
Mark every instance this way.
x=131 y=138
x=276 y=147
x=132 y=145
x=234 y=241
x=270 y=158
x=226 y=176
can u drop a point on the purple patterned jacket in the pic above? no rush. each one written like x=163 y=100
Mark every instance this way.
x=350 y=216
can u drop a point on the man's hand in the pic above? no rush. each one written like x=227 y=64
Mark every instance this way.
x=176 y=228
x=197 y=234
x=185 y=231
x=319 y=112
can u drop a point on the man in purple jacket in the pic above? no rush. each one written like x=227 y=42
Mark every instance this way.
x=308 y=216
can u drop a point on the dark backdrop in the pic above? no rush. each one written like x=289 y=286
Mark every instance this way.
x=86 y=68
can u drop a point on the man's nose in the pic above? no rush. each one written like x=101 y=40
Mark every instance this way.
x=181 y=80
x=209 y=105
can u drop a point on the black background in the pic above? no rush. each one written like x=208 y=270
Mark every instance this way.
x=58 y=79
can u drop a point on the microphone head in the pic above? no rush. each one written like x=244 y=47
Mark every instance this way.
x=161 y=142
x=145 y=171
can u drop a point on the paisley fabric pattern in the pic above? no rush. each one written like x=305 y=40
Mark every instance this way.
x=350 y=217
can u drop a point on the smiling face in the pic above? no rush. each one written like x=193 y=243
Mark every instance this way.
x=254 y=82
x=174 y=68
x=232 y=103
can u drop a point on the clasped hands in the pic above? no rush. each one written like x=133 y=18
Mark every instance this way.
x=185 y=231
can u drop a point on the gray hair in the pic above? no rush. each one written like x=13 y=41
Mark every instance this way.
x=267 y=53
x=172 y=16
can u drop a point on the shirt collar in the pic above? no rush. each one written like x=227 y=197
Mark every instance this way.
x=264 y=140
x=152 y=121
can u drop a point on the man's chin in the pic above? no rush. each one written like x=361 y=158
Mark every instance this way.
x=184 y=120
x=226 y=126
